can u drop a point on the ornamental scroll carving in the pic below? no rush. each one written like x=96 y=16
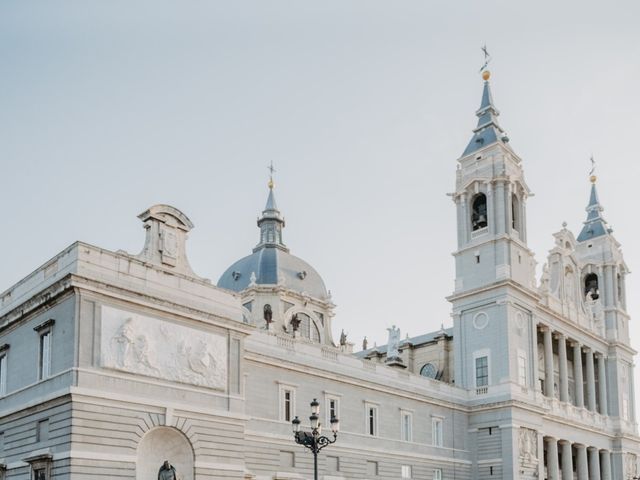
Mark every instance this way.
x=156 y=348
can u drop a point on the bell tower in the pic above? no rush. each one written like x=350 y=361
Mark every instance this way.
x=495 y=270
x=490 y=200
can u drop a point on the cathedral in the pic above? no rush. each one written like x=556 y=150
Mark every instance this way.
x=119 y=365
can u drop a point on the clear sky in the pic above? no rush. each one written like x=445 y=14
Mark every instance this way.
x=107 y=108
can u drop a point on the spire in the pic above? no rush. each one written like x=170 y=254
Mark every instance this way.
x=271 y=222
x=488 y=130
x=595 y=225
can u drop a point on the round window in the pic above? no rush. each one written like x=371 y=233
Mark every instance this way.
x=429 y=370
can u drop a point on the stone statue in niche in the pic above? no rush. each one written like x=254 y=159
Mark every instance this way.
x=267 y=314
x=167 y=472
x=393 y=343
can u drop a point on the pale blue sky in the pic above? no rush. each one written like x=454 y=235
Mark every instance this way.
x=364 y=106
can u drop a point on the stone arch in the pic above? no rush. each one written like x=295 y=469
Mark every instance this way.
x=315 y=321
x=160 y=444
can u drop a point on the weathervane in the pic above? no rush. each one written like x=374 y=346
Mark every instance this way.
x=271 y=171
x=487 y=58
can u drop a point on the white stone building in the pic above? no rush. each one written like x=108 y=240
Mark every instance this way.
x=111 y=363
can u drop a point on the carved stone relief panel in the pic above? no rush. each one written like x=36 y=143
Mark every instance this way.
x=528 y=447
x=156 y=348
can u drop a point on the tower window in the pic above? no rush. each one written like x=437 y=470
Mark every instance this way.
x=479 y=212
x=515 y=213
x=591 y=291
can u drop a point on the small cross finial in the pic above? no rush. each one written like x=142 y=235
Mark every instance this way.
x=487 y=58
x=271 y=172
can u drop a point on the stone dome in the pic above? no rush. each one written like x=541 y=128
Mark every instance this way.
x=271 y=263
x=271 y=266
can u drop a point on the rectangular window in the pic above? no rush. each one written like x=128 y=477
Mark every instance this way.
x=3 y=375
x=45 y=355
x=482 y=371
x=333 y=464
x=436 y=431
x=39 y=474
x=288 y=405
x=437 y=474
x=332 y=408
x=286 y=402
x=405 y=471
x=372 y=420
x=372 y=468
x=522 y=368
x=406 y=426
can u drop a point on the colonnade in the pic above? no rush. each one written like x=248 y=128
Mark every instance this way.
x=591 y=463
x=596 y=398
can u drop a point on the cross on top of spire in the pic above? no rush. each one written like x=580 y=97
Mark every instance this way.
x=271 y=172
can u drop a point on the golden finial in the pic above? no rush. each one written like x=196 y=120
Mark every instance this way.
x=486 y=75
x=271 y=170
x=592 y=177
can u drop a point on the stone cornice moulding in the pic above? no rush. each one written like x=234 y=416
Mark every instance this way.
x=159 y=304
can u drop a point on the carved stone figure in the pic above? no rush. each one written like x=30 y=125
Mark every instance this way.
x=167 y=472
x=528 y=446
x=393 y=343
x=267 y=314
x=252 y=279
x=364 y=343
x=343 y=338
x=295 y=323
x=123 y=342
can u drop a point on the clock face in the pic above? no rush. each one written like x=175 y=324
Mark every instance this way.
x=429 y=370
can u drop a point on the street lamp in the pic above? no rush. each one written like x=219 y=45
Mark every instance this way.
x=314 y=440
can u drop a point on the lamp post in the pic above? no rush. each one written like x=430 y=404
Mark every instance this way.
x=314 y=440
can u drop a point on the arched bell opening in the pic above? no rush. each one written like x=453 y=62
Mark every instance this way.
x=479 y=212
x=591 y=289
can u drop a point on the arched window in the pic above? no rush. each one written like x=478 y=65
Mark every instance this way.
x=307 y=327
x=479 y=212
x=591 y=286
x=429 y=370
x=515 y=213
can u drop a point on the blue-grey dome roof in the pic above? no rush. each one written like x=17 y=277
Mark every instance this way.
x=269 y=265
x=271 y=262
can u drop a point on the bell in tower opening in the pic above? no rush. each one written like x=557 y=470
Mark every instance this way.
x=479 y=212
x=591 y=291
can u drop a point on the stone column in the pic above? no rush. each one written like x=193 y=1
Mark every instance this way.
x=491 y=209
x=594 y=464
x=581 y=460
x=577 y=374
x=602 y=384
x=605 y=465
x=464 y=220
x=552 y=459
x=567 y=461
x=591 y=380
x=564 y=376
x=548 y=363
